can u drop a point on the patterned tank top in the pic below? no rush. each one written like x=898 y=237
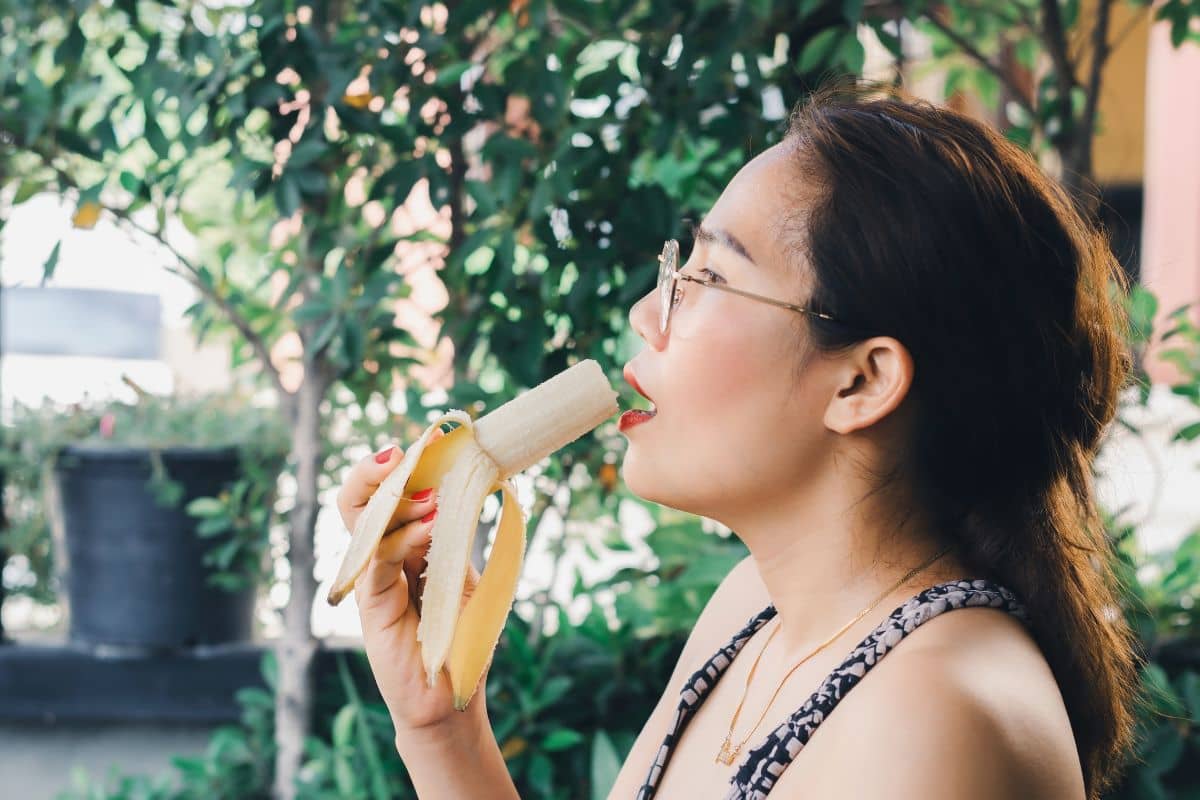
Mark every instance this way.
x=763 y=765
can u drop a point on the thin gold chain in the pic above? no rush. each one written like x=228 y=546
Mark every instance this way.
x=731 y=754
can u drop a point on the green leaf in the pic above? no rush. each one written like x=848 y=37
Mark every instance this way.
x=212 y=526
x=26 y=190
x=605 y=767
x=343 y=726
x=345 y=777
x=888 y=39
x=70 y=49
x=450 y=75
x=51 y=262
x=1187 y=433
x=311 y=181
x=269 y=666
x=1189 y=688
x=561 y=739
x=852 y=54
x=130 y=182
x=223 y=556
x=353 y=342
x=287 y=195
x=307 y=151
x=205 y=507
x=1143 y=306
x=156 y=138
x=541 y=774
x=554 y=690
x=324 y=335
x=852 y=10
x=1162 y=749
x=809 y=7
x=1159 y=689
x=818 y=51
x=192 y=767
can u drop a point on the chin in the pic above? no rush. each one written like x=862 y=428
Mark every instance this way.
x=649 y=485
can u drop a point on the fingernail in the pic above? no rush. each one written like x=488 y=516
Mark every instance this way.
x=383 y=455
x=422 y=495
x=429 y=517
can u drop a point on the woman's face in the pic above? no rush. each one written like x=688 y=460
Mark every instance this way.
x=733 y=428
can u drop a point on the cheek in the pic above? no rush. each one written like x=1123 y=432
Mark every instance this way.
x=717 y=365
x=718 y=396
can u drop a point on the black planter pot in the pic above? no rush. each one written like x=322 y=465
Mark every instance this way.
x=133 y=570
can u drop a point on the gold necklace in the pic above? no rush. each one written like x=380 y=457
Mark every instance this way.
x=727 y=755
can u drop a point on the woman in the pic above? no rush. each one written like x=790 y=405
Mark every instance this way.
x=886 y=364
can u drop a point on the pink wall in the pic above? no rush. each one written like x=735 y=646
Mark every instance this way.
x=1170 y=262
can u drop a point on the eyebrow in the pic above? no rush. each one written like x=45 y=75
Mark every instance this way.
x=721 y=237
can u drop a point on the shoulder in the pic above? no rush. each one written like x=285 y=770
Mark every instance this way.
x=971 y=711
x=933 y=744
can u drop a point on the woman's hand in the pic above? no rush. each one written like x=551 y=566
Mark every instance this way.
x=388 y=592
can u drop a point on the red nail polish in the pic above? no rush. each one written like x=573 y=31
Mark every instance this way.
x=383 y=455
x=429 y=517
x=422 y=495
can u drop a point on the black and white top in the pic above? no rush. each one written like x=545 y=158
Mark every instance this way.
x=763 y=765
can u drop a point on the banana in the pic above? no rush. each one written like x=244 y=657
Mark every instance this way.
x=471 y=462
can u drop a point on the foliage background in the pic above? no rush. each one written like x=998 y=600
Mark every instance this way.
x=566 y=140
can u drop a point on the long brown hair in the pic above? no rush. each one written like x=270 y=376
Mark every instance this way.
x=933 y=228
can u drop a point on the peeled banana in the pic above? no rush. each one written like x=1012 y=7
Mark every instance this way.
x=468 y=464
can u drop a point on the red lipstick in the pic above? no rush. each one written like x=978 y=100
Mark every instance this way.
x=631 y=418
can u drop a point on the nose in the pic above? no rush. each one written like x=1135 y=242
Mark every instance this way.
x=643 y=316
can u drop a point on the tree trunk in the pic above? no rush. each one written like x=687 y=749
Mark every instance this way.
x=3 y=558
x=296 y=651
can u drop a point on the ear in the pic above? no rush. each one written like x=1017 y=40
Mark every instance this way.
x=873 y=381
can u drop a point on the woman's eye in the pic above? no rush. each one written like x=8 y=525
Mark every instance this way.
x=712 y=275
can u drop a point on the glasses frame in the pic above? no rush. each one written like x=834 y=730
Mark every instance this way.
x=668 y=267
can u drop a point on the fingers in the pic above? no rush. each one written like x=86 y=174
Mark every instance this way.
x=381 y=594
x=408 y=542
x=414 y=569
x=469 y=585
x=362 y=481
x=364 y=478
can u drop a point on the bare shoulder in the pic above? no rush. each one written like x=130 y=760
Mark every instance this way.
x=970 y=709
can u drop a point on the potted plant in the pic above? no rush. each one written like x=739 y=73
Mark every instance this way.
x=150 y=519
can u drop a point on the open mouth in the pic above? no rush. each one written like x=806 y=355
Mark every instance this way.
x=636 y=415
x=631 y=379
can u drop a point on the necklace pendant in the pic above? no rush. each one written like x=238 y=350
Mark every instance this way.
x=727 y=754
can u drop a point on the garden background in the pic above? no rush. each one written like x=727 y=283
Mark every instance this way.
x=345 y=216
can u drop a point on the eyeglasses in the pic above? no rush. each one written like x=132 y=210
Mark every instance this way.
x=669 y=277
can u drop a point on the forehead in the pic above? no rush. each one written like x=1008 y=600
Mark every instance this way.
x=756 y=203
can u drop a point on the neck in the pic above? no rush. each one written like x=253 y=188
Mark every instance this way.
x=822 y=562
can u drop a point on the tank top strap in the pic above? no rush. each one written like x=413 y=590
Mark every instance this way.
x=764 y=764
x=694 y=690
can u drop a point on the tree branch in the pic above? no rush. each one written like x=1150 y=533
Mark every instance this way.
x=961 y=42
x=1134 y=21
x=235 y=318
x=1054 y=37
x=257 y=343
x=1100 y=51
